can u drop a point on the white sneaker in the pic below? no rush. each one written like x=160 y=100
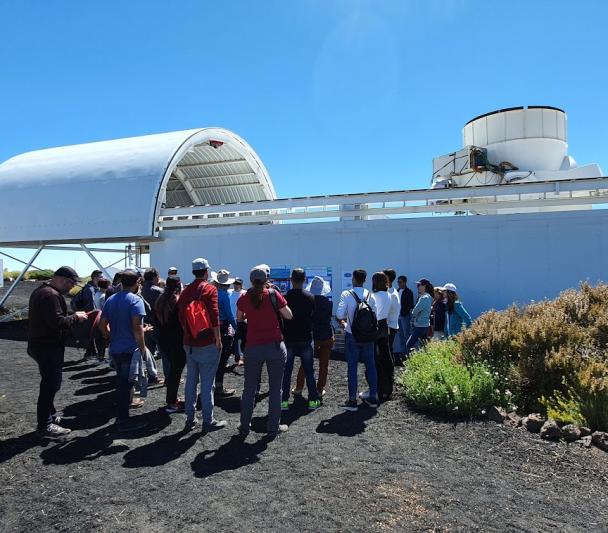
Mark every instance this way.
x=364 y=395
x=54 y=430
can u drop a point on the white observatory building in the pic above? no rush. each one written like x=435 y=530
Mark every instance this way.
x=510 y=217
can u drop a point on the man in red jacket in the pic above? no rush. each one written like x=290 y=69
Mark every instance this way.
x=202 y=350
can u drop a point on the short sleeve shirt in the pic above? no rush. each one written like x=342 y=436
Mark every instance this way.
x=262 y=324
x=118 y=310
x=302 y=305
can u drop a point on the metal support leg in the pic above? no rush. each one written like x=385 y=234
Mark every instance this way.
x=94 y=259
x=18 y=260
x=20 y=277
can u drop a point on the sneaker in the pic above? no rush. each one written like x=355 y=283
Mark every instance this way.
x=190 y=424
x=371 y=401
x=281 y=429
x=285 y=405
x=130 y=425
x=157 y=381
x=296 y=392
x=364 y=395
x=313 y=404
x=225 y=393
x=243 y=432
x=136 y=403
x=53 y=430
x=350 y=405
x=214 y=425
x=177 y=407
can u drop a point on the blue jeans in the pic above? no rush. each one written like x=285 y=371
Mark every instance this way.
x=122 y=365
x=418 y=333
x=364 y=352
x=305 y=352
x=201 y=363
x=405 y=325
x=50 y=365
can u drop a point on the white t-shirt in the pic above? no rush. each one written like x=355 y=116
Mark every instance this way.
x=383 y=304
x=393 y=314
x=348 y=304
x=234 y=296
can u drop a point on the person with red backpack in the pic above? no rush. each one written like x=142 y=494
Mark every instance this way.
x=200 y=319
x=357 y=315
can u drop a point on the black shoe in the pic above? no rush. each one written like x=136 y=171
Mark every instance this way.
x=225 y=393
x=371 y=401
x=243 y=432
x=350 y=405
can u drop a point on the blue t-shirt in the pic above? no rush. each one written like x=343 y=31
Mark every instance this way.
x=118 y=311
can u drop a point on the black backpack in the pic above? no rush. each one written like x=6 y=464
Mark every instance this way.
x=77 y=303
x=364 y=325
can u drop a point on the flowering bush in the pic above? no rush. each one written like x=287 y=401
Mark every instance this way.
x=434 y=381
x=542 y=351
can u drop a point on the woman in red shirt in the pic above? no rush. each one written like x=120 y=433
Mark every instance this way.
x=264 y=345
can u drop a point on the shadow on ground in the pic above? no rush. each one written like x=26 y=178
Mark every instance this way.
x=235 y=454
x=347 y=424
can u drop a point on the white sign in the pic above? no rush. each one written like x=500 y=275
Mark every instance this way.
x=347 y=280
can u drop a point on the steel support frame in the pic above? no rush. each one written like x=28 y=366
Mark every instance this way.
x=29 y=264
x=20 y=276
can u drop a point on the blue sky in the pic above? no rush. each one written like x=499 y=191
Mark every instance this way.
x=334 y=95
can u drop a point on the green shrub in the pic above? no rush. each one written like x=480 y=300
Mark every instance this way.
x=10 y=274
x=435 y=381
x=534 y=347
x=585 y=401
x=39 y=274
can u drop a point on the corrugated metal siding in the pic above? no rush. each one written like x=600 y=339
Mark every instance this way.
x=217 y=176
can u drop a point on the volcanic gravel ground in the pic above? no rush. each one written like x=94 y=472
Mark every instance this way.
x=390 y=470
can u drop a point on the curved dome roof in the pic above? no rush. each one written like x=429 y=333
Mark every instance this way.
x=113 y=190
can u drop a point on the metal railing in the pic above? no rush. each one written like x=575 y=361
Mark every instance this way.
x=564 y=194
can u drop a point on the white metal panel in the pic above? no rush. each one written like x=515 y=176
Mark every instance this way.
x=562 y=126
x=533 y=122
x=496 y=127
x=489 y=255
x=550 y=123
x=59 y=194
x=480 y=132
x=515 y=124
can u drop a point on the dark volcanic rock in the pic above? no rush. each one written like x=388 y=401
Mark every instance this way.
x=550 y=430
x=533 y=422
x=570 y=432
x=600 y=439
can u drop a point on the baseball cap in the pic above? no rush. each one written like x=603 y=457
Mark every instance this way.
x=67 y=272
x=172 y=269
x=223 y=277
x=238 y=280
x=200 y=264
x=265 y=268
x=257 y=274
x=450 y=287
x=423 y=281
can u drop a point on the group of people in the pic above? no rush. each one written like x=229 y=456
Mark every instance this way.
x=201 y=325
